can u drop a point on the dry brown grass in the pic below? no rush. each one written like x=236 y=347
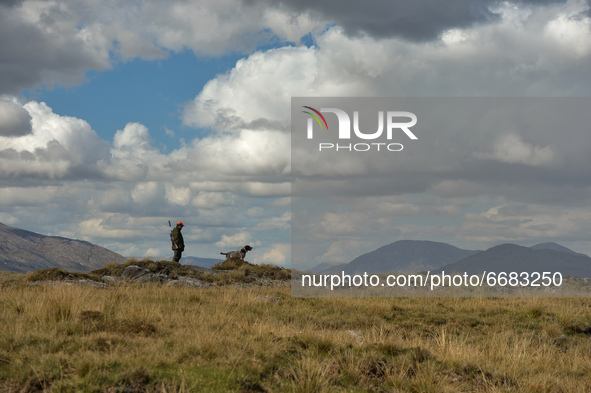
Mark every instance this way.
x=156 y=338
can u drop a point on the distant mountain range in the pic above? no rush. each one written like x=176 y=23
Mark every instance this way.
x=404 y=256
x=24 y=251
x=513 y=258
x=411 y=256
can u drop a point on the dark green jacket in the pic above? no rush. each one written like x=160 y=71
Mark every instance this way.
x=177 y=239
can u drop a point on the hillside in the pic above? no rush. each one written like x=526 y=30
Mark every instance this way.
x=25 y=251
x=513 y=258
x=404 y=256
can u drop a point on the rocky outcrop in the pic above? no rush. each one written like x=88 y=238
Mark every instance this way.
x=164 y=273
x=139 y=274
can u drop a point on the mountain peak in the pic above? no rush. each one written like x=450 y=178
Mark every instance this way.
x=404 y=256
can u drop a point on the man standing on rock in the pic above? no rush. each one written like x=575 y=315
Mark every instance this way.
x=178 y=244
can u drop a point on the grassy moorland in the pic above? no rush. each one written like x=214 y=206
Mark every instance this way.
x=158 y=338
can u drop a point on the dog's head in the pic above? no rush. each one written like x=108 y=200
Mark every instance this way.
x=247 y=248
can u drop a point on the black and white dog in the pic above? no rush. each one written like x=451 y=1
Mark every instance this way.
x=237 y=254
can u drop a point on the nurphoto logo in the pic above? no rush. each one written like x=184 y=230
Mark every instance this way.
x=395 y=121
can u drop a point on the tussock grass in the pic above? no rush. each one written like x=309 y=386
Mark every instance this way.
x=57 y=274
x=230 y=264
x=157 y=338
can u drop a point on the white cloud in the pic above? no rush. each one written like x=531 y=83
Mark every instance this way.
x=273 y=223
x=277 y=254
x=57 y=146
x=108 y=226
x=339 y=251
x=153 y=253
x=512 y=149
x=178 y=195
x=206 y=199
x=521 y=223
x=521 y=54
x=248 y=152
x=258 y=88
x=214 y=26
x=57 y=41
x=134 y=137
x=239 y=240
x=571 y=32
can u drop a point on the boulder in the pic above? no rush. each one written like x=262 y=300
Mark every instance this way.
x=133 y=272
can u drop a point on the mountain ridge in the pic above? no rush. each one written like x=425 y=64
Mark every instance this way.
x=404 y=256
x=412 y=256
x=510 y=257
x=25 y=251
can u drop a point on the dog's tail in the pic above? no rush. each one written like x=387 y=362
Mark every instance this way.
x=223 y=253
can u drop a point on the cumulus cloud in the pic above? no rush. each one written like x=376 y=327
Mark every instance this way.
x=134 y=137
x=527 y=52
x=256 y=153
x=56 y=146
x=214 y=27
x=278 y=254
x=514 y=56
x=41 y=43
x=56 y=42
x=258 y=88
x=14 y=120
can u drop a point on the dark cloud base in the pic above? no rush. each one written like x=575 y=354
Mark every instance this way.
x=418 y=20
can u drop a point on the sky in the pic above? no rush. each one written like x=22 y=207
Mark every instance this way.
x=117 y=116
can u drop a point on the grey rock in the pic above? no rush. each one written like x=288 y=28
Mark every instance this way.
x=133 y=272
x=110 y=279
x=139 y=274
x=151 y=277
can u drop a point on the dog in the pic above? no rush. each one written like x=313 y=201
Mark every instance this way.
x=237 y=254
